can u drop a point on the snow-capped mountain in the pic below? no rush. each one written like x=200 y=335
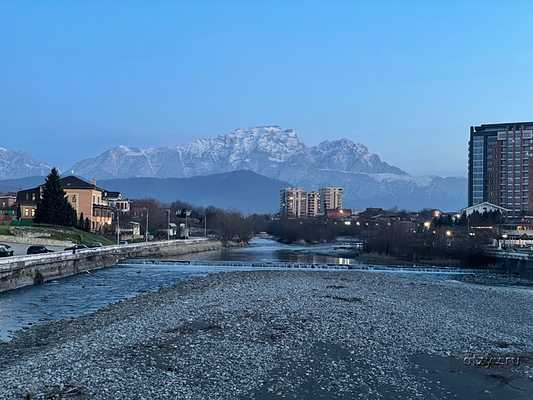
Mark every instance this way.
x=15 y=164
x=278 y=153
x=267 y=150
x=275 y=153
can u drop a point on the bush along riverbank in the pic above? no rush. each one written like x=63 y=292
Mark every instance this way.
x=391 y=243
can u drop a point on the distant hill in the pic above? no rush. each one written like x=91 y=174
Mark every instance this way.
x=14 y=185
x=241 y=190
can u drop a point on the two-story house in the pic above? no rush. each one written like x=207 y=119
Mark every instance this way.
x=85 y=197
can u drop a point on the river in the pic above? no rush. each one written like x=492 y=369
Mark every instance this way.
x=88 y=292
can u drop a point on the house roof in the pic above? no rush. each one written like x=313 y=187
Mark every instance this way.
x=113 y=195
x=74 y=182
x=485 y=204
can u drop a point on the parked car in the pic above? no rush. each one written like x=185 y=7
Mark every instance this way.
x=5 y=251
x=76 y=247
x=38 y=250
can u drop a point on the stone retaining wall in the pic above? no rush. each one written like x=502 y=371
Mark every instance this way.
x=34 y=241
x=16 y=272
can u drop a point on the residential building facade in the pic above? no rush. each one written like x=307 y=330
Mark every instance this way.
x=8 y=208
x=330 y=198
x=85 y=197
x=500 y=166
x=293 y=203
x=313 y=204
x=116 y=201
x=27 y=201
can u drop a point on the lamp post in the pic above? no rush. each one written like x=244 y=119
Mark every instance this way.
x=118 y=226
x=146 y=229
x=168 y=224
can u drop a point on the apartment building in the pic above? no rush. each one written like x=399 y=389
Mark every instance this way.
x=293 y=203
x=8 y=208
x=116 y=201
x=313 y=204
x=330 y=198
x=500 y=166
x=85 y=197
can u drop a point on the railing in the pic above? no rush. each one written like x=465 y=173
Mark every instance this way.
x=7 y=262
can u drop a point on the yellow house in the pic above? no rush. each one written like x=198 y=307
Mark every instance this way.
x=87 y=198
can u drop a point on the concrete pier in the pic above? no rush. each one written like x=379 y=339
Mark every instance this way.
x=20 y=271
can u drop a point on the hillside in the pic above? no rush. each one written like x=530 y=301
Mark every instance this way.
x=241 y=190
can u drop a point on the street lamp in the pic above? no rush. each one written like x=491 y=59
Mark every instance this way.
x=117 y=213
x=146 y=229
x=168 y=224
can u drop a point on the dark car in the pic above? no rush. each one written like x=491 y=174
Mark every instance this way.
x=94 y=245
x=38 y=250
x=76 y=247
x=4 y=251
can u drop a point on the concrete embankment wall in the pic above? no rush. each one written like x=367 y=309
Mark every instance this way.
x=34 y=241
x=16 y=272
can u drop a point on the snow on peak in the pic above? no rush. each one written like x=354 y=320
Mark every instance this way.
x=267 y=150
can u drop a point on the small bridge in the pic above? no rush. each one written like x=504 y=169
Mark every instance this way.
x=308 y=266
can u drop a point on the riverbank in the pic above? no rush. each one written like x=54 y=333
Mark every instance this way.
x=382 y=259
x=20 y=271
x=269 y=335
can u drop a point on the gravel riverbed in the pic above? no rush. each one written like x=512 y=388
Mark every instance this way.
x=285 y=335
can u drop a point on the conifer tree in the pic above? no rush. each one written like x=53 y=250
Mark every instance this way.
x=54 y=207
x=81 y=222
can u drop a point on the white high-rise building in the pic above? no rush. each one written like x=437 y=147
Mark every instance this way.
x=293 y=203
x=330 y=198
x=313 y=204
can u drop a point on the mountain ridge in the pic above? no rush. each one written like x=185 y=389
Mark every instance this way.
x=17 y=164
x=265 y=150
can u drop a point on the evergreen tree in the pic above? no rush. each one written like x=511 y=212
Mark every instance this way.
x=54 y=207
x=87 y=226
x=81 y=222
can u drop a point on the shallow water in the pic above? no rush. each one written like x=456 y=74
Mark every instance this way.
x=88 y=292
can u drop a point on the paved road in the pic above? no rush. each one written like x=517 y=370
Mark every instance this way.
x=20 y=249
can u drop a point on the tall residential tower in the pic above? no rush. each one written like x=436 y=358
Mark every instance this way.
x=330 y=199
x=293 y=203
x=500 y=163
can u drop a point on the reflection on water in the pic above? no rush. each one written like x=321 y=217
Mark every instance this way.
x=269 y=250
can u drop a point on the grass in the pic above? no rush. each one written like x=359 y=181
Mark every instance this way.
x=4 y=230
x=71 y=234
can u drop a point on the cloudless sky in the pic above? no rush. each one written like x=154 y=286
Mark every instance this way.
x=406 y=78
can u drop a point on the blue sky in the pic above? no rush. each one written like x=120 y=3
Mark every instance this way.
x=406 y=78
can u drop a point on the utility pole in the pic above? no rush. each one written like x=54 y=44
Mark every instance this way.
x=118 y=226
x=146 y=230
x=205 y=223
x=168 y=224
